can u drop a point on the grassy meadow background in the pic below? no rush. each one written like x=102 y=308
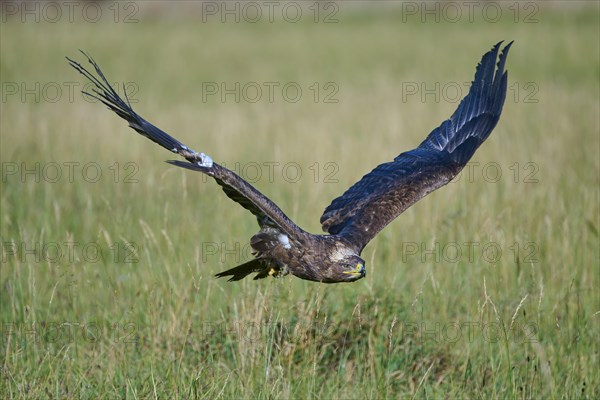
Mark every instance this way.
x=486 y=288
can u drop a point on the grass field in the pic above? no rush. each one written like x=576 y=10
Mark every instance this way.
x=486 y=288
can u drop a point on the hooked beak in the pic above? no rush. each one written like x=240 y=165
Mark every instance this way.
x=358 y=271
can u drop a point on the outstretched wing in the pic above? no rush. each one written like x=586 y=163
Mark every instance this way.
x=233 y=185
x=384 y=193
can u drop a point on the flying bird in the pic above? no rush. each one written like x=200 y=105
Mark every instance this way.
x=281 y=247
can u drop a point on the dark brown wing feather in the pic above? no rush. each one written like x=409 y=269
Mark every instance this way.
x=243 y=193
x=384 y=193
x=233 y=185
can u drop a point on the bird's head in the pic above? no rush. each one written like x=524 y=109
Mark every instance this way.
x=350 y=269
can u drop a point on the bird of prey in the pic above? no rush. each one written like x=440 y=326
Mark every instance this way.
x=354 y=218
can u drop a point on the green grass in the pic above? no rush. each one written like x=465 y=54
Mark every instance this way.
x=153 y=322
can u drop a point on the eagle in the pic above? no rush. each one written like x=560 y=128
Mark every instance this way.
x=281 y=247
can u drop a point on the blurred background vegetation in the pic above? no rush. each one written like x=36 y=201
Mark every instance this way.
x=487 y=287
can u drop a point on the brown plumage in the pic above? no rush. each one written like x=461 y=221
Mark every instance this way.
x=354 y=218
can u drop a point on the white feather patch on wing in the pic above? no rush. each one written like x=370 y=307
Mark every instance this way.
x=284 y=240
x=206 y=161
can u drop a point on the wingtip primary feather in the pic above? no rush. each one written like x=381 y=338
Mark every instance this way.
x=449 y=147
x=104 y=92
x=502 y=60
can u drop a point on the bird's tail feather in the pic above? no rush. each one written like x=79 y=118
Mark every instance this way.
x=241 y=271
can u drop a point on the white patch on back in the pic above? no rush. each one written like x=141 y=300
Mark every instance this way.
x=284 y=240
